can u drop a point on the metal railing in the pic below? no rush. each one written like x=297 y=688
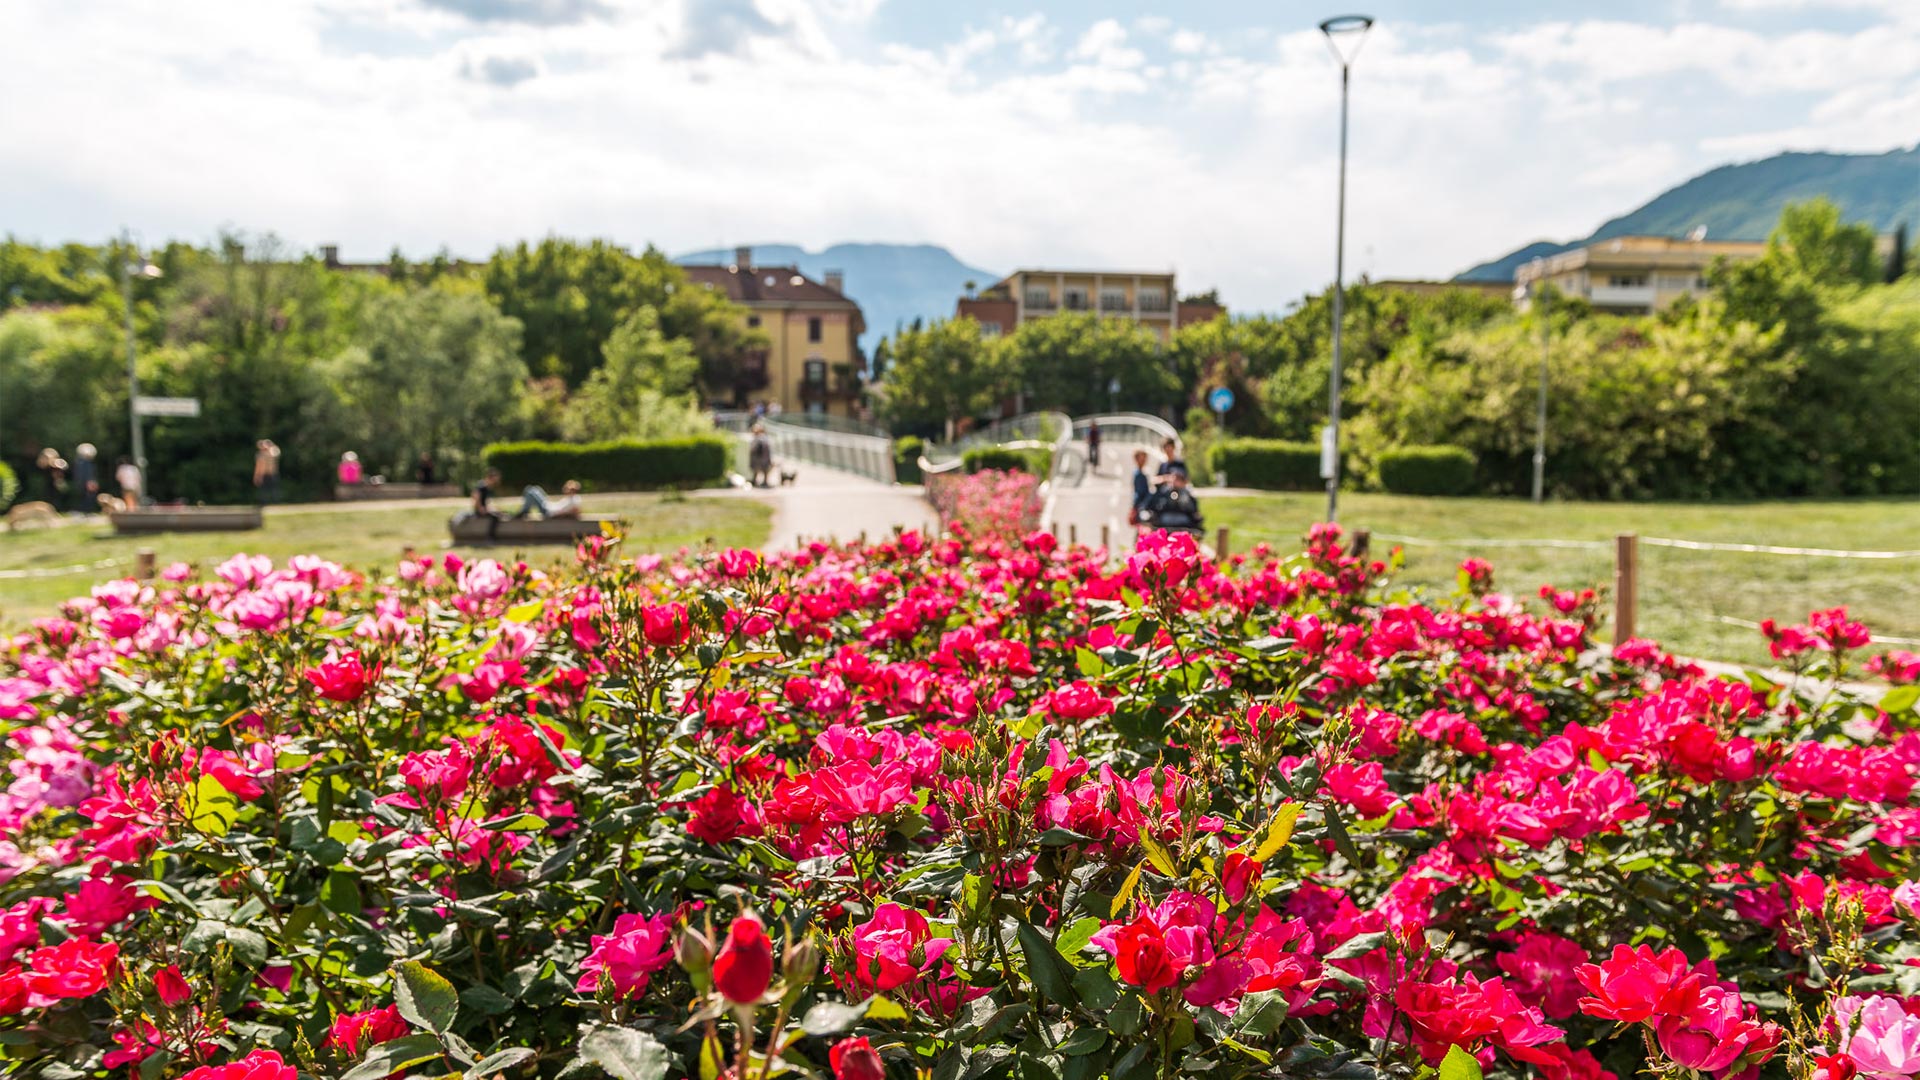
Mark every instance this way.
x=835 y=442
x=1036 y=430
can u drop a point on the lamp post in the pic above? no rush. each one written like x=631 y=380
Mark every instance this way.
x=1540 y=302
x=128 y=270
x=1345 y=34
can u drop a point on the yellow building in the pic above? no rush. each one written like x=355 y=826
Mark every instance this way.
x=1631 y=275
x=812 y=362
x=1148 y=299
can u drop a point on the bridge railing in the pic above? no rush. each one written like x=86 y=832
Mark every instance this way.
x=1036 y=429
x=832 y=442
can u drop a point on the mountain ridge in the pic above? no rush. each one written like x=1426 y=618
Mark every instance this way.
x=1742 y=201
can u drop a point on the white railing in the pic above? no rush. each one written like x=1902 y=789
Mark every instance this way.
x=832 y=442
x=1035 y=430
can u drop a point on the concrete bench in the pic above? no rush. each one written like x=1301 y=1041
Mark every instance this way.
x=469 y=529
x=156 y=519
x=366 y=492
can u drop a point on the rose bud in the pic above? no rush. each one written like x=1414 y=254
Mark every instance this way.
x=172 y=987
x=855 y=1059
x=744 y=965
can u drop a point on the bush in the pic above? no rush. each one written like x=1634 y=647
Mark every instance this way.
x=9 y=485
x=1268 y=464
x=1427 y=470
x=1033 y=461
x=906 y=458
x=613 y=466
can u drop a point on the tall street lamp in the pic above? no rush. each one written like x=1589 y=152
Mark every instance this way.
x=1345 y=34
x=1541 y=299
x=131 y=266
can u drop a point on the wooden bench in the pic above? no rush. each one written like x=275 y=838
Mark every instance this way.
x=470 y=529
x=159 y=519
x=366 y=492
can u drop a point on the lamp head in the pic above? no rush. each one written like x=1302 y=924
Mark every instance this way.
x=1345 y=35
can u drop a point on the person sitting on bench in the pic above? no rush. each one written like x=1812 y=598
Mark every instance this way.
x=566 y=506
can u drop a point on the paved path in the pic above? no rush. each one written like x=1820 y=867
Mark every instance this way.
x=1100 y=501
x=826 y=503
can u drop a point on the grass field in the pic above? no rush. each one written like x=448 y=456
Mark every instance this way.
x=365 y=537
x=1684 y=595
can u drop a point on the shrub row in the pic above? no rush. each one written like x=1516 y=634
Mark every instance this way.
x=906 y=458
x=1427 y=470
x=1032 y=460
x=9 y=485
x=613 y=466
x=1268 y=464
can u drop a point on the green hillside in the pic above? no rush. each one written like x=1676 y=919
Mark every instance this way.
x=1741 y=202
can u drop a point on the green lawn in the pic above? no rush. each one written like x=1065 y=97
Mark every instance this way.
x=369 y=538
x=1683 y=594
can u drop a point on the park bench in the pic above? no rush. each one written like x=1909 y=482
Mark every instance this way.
x=369 y=491
x=159 y=519
x=471 y=529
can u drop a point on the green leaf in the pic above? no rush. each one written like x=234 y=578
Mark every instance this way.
x=626 y=1054
x=832 y=1017
x=485 y=1000
x=1126 y=890
x=1459 y=1065
x=1337 y=830
x=1074 y=937
x=499 y=1061
x=391 y=1057
x=1900 y=699
x=1089 y=662
x=1084 y=1040
x=1045 y=965
x=1278 y=832
x=425 y=998
x=1261 y=1013
x=214 y=807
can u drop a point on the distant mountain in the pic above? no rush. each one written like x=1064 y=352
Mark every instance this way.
x=1742 y=202
x=894 y=284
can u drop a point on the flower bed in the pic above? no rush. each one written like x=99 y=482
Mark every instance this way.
x=990 y=504
x=960 y=810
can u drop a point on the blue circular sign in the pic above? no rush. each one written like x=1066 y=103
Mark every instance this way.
x=1220 y=398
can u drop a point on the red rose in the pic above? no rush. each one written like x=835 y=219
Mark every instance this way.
x=1635 y=985
x=1142 y=956
x=744 y=966
x=345 y=678
x=855 y=1059
x=666 y=625
x=75 y=968
x=172 y=987
x=355 y=1033
x=259 y=1065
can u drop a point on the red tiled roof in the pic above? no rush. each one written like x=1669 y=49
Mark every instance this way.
x=765 y=284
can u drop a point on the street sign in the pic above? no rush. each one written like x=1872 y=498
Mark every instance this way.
x=166 y=406
x=1220 y=399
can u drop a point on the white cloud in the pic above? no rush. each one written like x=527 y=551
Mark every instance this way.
x=695 y=123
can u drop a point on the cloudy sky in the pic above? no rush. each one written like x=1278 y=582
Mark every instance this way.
x=1198 y=136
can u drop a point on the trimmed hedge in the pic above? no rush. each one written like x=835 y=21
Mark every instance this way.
x=9 y=485
x=906 y=458
x=1032 y=461
x=1268 y=464
x=613 y=466
x=1428 y=470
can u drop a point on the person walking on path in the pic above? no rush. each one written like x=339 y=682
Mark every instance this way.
x=1093 y=444
x=1174 y=463
x=760 y=456
x=127 y=475
x=1142 y=487
x=86 y=479
x=266 y=471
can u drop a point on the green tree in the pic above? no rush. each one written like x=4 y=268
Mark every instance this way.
x=1069 y=361
x=944 y=373
x=643 y=390
x=1812 y=238
x=432 y=369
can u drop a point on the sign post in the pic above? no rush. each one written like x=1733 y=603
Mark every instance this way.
x=166 y=406
x=1220 y=399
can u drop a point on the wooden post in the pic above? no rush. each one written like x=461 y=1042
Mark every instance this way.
x=1073 y=533
x=1626 y=585
x=1106 y=536
x=143 y=564
x=1220 y=550
x=1362 y=541
x=1055 y=530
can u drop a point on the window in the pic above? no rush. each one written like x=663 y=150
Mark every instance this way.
x=1076 y=298
x=813 y=328
x=753 y=321
x=989 y=329
x=1676 y=281
x=816 y=372
x=1115 y=300
x=1039 y=297
x=1152 y=298
x=1627 y=281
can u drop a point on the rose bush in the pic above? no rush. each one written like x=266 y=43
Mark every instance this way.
x=955 y=808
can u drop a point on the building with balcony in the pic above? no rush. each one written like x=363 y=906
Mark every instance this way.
x=1631 y=275
x=812 y=362
x=1148 y=299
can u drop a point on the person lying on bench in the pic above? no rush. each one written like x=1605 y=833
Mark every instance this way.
x=566 y=506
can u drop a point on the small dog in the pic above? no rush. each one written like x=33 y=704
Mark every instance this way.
x=788 y=476
x=112 y=504
x=40 y=512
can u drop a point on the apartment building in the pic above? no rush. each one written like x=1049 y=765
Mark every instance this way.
x=1149 y=299
x=812 y=362
x=1631 y=275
